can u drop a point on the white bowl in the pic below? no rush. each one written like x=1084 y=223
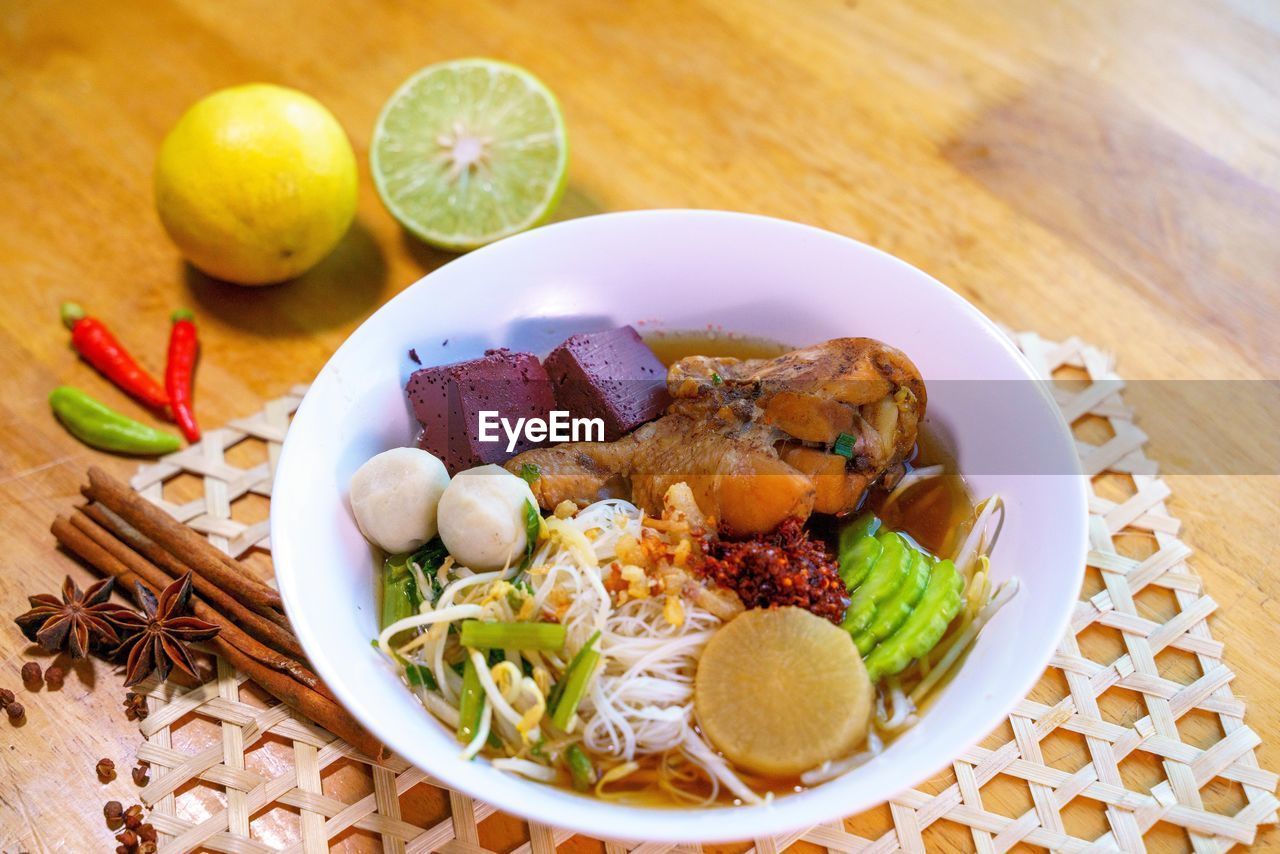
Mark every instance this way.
x=682 y=270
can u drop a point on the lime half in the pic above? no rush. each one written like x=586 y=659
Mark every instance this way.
x=470 y=151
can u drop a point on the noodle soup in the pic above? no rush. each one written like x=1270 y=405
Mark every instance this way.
x=637 y=619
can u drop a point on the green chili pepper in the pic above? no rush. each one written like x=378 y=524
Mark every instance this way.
x=894 y=611
x=101 y=427
x=924 y=627
x=884 y=579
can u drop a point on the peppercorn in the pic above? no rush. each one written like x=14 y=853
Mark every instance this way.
x=6 y=697
x=106 y=769
x=127 y=838
x=113 y=812
x=147 y=833
x=15 y=711
x=135 y=706
x=133 y=817
x=145 y=848
x=31 y=676
x=53 y=677
x=141 y=774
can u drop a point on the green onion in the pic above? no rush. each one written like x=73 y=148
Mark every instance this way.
x=716 y=379
x=844 y=445
x=471 y=704
x=544 y=636
x=529 y=473
x=572 y=687
x=581 y=769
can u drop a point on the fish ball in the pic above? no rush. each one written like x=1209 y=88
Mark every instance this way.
x=482 y=517
x=394 y=497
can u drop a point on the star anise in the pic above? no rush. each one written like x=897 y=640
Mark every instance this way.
x=77 y=620
x=157 y=639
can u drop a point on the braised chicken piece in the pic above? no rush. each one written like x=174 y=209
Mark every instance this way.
x=755 y=439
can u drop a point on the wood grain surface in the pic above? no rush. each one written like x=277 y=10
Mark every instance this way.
x=1109 y=170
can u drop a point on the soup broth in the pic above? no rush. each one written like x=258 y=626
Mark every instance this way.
x=933 y=508
x=933 y=512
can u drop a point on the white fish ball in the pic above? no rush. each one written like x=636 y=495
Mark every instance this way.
x=394 y=497
x=482 y=517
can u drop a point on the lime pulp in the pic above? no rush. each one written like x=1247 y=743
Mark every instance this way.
x=470 y=151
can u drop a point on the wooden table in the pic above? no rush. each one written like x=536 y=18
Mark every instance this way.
x=1108 y=170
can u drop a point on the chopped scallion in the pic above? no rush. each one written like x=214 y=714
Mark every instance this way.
x=542 y=636
x=844 y=445
x=529 y=472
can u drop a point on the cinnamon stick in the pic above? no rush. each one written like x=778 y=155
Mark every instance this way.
x=193 y=549
x=315 y=706
x=267 y=631
x=159 y=579
x=311 y=703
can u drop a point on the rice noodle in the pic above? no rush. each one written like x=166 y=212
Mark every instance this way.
x=638 y=703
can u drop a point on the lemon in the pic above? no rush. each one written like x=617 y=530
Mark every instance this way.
x=470 y=151
x=255 y=184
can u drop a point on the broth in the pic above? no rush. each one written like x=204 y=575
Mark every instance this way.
x=934 y=513
x=673 y=346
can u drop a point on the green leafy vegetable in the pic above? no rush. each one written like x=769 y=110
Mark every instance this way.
x=572 y=687
x=529 y=472
x=471 y=703
x=420 y=676
x=400 y=594
x=532 y=528
x=543 y=636
x=581 y=770
x=427 y=560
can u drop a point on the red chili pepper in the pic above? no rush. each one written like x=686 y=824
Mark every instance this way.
x=99 y=347
x=179 y=372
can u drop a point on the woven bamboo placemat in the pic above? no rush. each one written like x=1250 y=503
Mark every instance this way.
x=1132 y=734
